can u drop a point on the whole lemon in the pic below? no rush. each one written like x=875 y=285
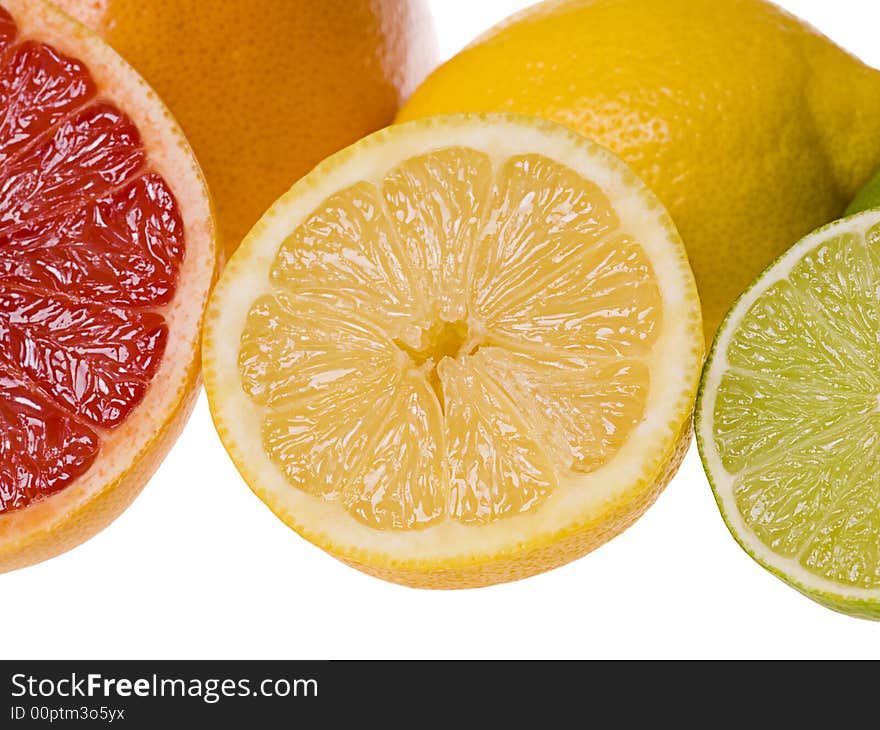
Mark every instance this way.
x=751 y=127
x=266 y=89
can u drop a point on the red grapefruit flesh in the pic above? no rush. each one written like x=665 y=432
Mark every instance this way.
x=107 y=254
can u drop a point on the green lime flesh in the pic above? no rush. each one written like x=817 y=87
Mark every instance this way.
x=788 y=417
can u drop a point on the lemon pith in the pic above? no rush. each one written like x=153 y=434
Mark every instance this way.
x=787 y=417
x=448 y=337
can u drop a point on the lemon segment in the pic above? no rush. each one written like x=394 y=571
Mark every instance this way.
x=583 y=412
x=437 y=205
x=496 y=466
x=443 y=344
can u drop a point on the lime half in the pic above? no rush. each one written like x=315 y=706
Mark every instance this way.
x=788 y=417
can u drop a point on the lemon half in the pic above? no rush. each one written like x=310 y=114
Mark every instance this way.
x=462 y=351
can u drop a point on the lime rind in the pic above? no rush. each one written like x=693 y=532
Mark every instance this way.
x=853 y=601
x=868 y=197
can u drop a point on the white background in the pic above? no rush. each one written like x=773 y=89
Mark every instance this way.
x=199 y=568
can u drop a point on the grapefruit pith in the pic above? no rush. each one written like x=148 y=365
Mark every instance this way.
x=107 y=254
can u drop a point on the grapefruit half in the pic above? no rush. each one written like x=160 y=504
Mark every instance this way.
x=107 y=255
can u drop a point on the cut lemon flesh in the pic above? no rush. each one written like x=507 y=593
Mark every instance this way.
x=459 y=339
x=789 y=417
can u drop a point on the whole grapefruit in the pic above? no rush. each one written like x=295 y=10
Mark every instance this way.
x=266 y=89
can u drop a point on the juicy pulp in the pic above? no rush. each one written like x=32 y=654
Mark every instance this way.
x=91 y=241
x=452 y=340
x=788 y=417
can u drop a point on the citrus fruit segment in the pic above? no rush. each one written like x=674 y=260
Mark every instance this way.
x=788 y=416
x=107 y=254
x=461 y=351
